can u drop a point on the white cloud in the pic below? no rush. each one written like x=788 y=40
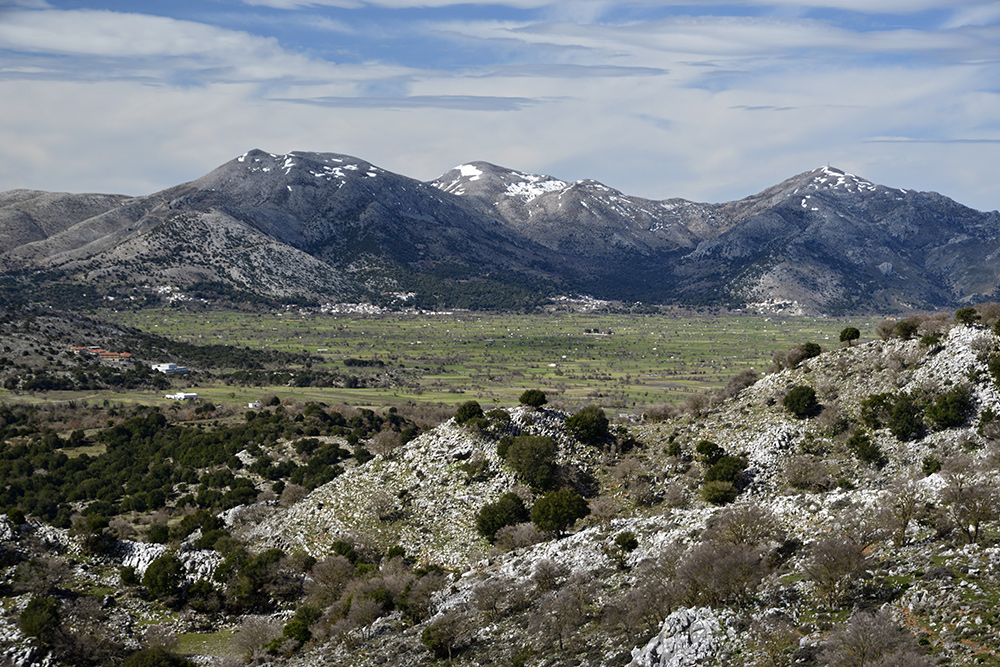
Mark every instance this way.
x=708 y=108
x=976 y=15
x=394 y=4
x=85 y=32
x=591 y=9
x=27 y=4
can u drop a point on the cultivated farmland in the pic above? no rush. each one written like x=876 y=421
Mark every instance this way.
x=626 y=362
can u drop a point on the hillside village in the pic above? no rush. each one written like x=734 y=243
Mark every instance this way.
x=849 y=496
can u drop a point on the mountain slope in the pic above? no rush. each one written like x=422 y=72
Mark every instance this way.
x=485 y=236
x=830 y=238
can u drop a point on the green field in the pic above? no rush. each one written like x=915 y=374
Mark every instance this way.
x=624 y=362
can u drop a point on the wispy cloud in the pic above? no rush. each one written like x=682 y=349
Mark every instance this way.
x=866 y=6
x=706 y=100
x=913 y=140
x=458 y=102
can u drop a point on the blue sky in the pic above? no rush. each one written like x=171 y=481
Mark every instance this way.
x=707 y=100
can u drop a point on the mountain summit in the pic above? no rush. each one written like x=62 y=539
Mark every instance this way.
x=331 y=227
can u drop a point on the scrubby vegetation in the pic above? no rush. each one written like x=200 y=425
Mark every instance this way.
x=848 y=498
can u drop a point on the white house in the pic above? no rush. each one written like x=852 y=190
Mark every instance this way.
x=169 y=368
x=182 y=396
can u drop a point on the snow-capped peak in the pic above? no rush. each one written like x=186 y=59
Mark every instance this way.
x=470 y=171
x=833 y=178
x=532 y=185
x=326 y=166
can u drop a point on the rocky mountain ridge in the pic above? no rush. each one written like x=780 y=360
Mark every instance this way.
x=330 y=227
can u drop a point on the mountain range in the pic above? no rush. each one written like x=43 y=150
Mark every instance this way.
x=327 y=227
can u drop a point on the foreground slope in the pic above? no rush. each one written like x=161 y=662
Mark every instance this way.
x=853 y=494
x=825 y=534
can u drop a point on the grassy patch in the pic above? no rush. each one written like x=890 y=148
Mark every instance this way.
x=205 y=643
x=90 y=450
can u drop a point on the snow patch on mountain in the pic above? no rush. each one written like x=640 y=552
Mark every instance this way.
x=469 y=171
x=534 y=186
x=832 y=178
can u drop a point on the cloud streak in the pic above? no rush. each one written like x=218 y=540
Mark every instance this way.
x=458 y=102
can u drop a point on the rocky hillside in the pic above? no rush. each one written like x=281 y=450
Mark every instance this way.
x=330 y=227
x=848 y=501
x=838 y=521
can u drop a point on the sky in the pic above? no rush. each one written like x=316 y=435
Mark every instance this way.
x=710 y=101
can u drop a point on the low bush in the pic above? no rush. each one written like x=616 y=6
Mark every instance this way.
x=905 y=418
x=709 y=452
x=861 y=446
x=801 y=401
x=949 y=409
x=558 y=510
x=533 y=397
x=719 y=492
x=726 y=469
x=532 y=458
x=509 y=510
x=468 y=411
x=40 y=619
x=589 y=425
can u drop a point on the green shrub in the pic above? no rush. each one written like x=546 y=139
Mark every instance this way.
x=509 y=510
x=627 y=541
x=588 y=425
x=719 y=493
x=867 y=451
x=203 y=597
x=298 y=627
x=905 y=418
x=931 y=465
x=993 y=364
x=158 y=533
x=726 y=469
x=498 y=419
x=532 y=458
x=709 y=452
x=468 y=411
x=987 y=416
x=444 y=636
x=907 y=328
x=967 y=316
x=875 y=410
x=128 y=576
x=40 y=619
x=849 y=335
x=949 y=409
x=624 y=544
x=930 y=340
x=503 y=445
x=533 y=397
x=801 y=401
x=163 y=576
x=558 y=510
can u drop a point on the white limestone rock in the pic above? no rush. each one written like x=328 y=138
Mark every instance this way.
x=688 y=638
